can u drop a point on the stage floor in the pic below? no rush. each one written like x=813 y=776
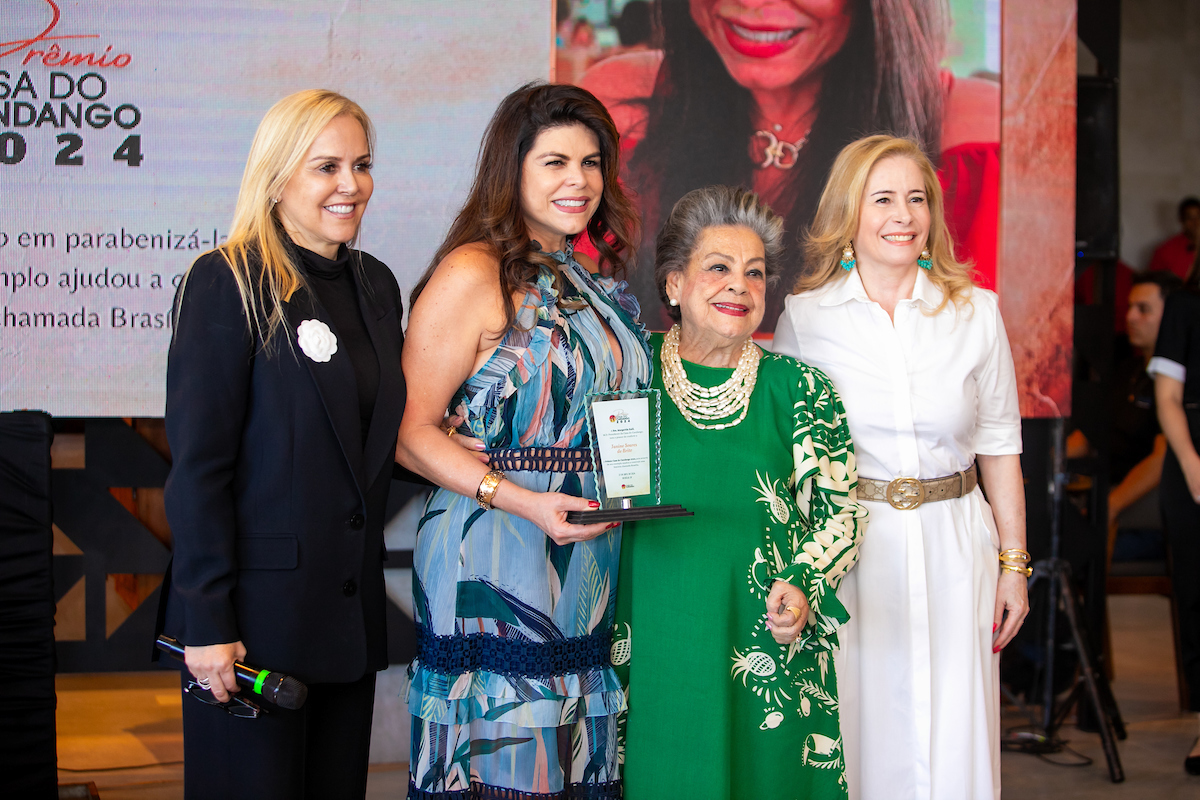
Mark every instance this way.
x=1159 y=735
x=124 y=732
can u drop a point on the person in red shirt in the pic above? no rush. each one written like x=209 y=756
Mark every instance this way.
x=1177 y=253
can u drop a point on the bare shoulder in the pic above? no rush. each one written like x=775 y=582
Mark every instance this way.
x=462 y=296
x=472 y=268
x=972 y=112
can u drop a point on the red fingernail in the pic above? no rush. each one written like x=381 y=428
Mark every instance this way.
x=994 y=626
x=593 y=504
x=612 y=525
x=996 y=649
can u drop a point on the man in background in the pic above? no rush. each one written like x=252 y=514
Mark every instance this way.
x=1136 y=446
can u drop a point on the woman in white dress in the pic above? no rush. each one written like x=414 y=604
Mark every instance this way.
x=921 y=359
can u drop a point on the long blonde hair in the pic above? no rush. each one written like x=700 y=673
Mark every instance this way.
x=257 y=247
x=837 y=217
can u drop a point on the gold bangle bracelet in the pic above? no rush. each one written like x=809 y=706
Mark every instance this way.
x=1007 y=567
x=487 y=488
x=1015 y=554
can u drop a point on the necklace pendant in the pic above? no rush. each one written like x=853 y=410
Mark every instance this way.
x=778 y=153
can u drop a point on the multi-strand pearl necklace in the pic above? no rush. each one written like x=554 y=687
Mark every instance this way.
x=701 y=403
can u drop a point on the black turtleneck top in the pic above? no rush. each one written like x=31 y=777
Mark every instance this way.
x=337 y=292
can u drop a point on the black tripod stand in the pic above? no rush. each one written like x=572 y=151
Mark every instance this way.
x=1091 y=682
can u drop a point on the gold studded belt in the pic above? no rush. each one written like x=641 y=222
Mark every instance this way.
x=910 y=493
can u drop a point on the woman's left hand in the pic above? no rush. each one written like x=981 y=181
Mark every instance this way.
x=1012 y=596
x=476 y=447
x=1005 y=488
x=468 y=443
x=786 y=625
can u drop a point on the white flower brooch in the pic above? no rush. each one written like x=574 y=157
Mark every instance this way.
x=316 y=340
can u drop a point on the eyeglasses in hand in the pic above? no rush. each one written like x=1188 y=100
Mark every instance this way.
x=236 y=707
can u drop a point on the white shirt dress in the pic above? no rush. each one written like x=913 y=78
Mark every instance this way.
x=919 y=684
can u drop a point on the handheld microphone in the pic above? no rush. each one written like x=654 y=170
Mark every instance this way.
x=282 y=690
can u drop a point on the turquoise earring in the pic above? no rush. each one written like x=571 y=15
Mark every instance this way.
x=847 y=262
x=925 y=260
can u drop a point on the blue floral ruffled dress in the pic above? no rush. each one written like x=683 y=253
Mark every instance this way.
x=512 y=693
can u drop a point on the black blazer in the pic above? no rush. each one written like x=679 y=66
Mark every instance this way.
x=276 y=506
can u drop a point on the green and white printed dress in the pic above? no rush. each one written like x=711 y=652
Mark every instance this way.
x=717 y=709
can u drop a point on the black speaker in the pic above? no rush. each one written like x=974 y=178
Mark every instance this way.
x=28 y=759
x=1100 y=29
x=1096 y=220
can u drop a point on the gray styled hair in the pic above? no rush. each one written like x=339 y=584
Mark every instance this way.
x=712 y=207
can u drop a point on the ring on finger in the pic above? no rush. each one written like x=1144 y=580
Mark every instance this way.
x=796 y=611
x=204 y=683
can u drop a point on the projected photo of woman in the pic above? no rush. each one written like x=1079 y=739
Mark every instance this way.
x=764 y=93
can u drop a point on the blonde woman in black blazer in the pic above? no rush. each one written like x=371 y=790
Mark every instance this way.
x=284 y=396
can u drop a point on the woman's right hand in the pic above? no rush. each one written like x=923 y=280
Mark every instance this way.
x=548 y=510
x=214 y=664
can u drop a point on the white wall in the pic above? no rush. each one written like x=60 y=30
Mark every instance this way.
x=1159 y=120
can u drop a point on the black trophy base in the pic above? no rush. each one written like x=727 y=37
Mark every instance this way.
x=626 y=514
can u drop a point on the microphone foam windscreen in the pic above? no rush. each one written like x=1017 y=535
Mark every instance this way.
x=289 y=694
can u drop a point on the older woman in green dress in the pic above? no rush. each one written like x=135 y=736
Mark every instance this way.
x=725 y=620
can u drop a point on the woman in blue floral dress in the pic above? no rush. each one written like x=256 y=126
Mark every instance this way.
x=512 y=692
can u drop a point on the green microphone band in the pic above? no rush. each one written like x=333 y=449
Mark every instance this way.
x=260 y=680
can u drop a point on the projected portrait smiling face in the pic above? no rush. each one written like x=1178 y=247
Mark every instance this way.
x=765 y=93
x=322 y=205
x=773 y=45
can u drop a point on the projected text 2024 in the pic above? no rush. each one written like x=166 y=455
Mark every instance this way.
x=13 y=149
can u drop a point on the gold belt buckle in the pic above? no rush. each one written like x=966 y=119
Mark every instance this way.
x=905 y=493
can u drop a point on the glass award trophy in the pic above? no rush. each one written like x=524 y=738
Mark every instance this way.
x=624 y=428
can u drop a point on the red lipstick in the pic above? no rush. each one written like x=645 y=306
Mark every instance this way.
x=756 y=48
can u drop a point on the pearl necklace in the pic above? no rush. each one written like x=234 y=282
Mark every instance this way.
x=701 y=403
